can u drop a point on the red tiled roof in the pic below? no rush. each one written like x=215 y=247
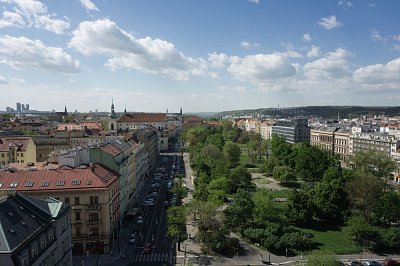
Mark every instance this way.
x=193 y=118
x=91 y=125
x=22 y=143
x=110 y=149
x=143 y=117
x=62 y=178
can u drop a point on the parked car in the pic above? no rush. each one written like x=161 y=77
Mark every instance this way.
x=390 y=262
x=132 y=240
x=354 y=263
x=147 y=248
x=372 y=263
x=139 y=220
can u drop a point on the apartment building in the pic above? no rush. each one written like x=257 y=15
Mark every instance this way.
x=91 y=192
x=48 y=144
x=17 y=150
x=34 y=231
x=382 y=142
x=117 y=155
x=333 y=139
x=294 y=130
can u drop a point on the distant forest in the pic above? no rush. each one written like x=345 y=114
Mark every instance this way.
x=319 y=111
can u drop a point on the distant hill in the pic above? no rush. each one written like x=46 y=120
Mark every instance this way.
x=319 y=111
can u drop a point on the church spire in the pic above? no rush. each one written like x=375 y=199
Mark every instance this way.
x=113 y=114
x=125 y=109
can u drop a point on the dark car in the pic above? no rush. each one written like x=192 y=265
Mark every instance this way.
x=147 y=248
x=390 y=262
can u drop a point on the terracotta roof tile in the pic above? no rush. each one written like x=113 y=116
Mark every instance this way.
x=22 y=143
x=97 y=176
x=110 y=149
x=143 y=117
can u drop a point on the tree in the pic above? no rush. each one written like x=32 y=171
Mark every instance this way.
x=216 y=139
x=269 y=164
x=360 y=231
x=264 y=209
x=284 y=174
x=373 y=163
x=364 y=191
x=240 y=178
x=176 y=219
x=280 y=148
x=232 y=152
x=330 y=200
x=299 y=208
x=239 y=214
x=391 y=237
x=386 y=209
x=318 y=258
x=310 y=162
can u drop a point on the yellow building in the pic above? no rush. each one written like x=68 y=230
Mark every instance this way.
x=92 y=192
x=17 y=150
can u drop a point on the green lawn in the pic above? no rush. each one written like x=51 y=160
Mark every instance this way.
x=262 y=181
x=331 y=239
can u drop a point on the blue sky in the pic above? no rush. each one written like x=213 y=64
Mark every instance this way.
x=208 y=55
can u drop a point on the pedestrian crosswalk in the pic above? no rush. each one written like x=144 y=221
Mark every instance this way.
x=152 y=257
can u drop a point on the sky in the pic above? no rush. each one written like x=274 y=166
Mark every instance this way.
x=203 y=56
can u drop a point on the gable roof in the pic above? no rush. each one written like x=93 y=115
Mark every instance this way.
x=143 y=118
x=21 y=143
x=63 y=178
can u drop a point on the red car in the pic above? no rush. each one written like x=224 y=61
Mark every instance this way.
x=147 y=248
x=390 y=262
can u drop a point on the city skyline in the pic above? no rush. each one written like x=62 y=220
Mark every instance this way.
x=202 y=56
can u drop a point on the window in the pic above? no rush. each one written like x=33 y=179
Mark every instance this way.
x=76 y=200
x=43 y=242
x=77 y=216
x=22 y=155
x=24 y=259
x=34 y=250
x=94 y=231
x=94 y=200
x=78 y=230
x=93 y=216
x=66 y=200
x=2 y=155
x=50 y=235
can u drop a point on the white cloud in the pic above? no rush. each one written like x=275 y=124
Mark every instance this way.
x=314 y=51
x=334 y=65
x=254 y=1
x=379 y=73
x=32 y=13
x=3 y=80
x=24 y=53
x=149 y=55
x=261 y=68
x=248 y=45
x=11 y=19
x=329 y=22
x=396 y=47
x=307 y=37
x=240 y=89
x=345 y=4
x=89 y=5
x=376 y=36
x=396 y=38
x=217 y=60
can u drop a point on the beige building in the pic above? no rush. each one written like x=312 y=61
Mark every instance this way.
x=47 y=144
x=332 y=139
x=17 y=150
x=92 y=193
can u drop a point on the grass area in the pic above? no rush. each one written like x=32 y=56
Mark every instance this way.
x=262 y=181
x=284 y=193
x=331 y=239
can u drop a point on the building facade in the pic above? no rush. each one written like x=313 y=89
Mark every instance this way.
x=17 y=150
x=34 y=231
x=294 y=130
x=91 y=192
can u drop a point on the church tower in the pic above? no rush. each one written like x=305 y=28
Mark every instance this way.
x=113 y=114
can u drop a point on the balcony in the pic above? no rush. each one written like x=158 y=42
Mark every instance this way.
x=93 y=207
